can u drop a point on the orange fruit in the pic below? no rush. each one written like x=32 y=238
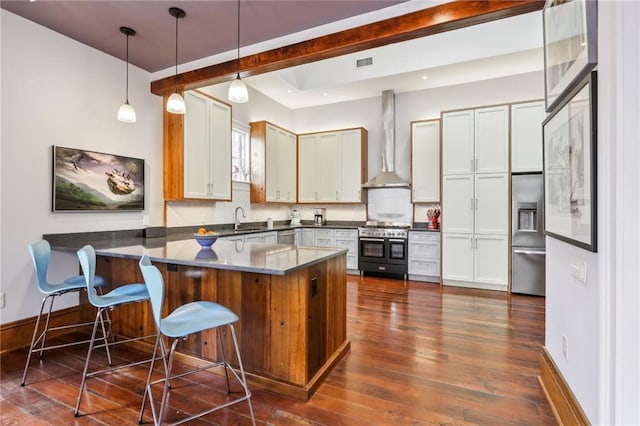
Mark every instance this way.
x=210 y=233
x=202 y=231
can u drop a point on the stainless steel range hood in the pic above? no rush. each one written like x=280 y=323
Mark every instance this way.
x=388 y=178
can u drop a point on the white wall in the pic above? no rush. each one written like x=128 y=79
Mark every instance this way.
x=56 y=91
x=601 y=320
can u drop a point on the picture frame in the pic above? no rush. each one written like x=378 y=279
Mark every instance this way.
x=86 y=180
x=570 y=46
x=570 y=165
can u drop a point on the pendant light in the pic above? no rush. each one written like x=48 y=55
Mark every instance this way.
x=126 y=113
x=175 y=103
x=238 y=92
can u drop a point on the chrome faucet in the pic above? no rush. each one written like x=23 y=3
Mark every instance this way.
x=236 y=225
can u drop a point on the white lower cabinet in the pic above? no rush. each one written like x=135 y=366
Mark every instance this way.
x=308 y=237
x=348 y=238
x=479 y=261
x=424 y=256
x=262 y=237
x=341 y=238
x=270 y=237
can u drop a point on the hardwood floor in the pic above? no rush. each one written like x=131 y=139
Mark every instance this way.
x=420 y=355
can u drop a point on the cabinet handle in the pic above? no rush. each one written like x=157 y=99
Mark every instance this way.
x=471 y=200
x=476 y=167
x=316 y=195
x=476 y=203
x=337 y=198
x=471 y=164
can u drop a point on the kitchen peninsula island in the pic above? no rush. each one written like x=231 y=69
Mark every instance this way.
x=291 y=302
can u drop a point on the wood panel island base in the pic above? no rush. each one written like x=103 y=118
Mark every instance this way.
x=291 y=302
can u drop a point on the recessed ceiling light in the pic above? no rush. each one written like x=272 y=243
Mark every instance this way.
x=424 y=77
x=289 y=91
x=325 y=94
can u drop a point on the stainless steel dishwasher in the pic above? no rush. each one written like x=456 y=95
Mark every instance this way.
x=287 y=237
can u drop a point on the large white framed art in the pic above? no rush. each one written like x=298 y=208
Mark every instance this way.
x=570 y=166
x=570 y=46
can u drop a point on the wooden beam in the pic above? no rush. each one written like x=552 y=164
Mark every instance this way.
x=441 y=18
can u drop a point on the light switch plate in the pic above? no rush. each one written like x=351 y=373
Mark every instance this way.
x=579 y=270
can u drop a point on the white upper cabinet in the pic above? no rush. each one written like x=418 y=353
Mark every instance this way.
x=476 y=141
x=331 y=167
x=458 y=140
x=526 y=136
x=492 y=140
x=425 y=161
x=207 y=148
x=273 y=164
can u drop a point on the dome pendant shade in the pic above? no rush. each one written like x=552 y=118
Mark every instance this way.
x=126 y=113
x=175 y=104
x=238 y=92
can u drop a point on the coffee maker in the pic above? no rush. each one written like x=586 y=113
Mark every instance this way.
x=319 y=216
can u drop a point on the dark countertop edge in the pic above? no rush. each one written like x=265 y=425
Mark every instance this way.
x=161 y=234
x=78 y=239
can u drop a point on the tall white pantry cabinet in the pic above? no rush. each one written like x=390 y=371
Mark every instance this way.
x=475 y=198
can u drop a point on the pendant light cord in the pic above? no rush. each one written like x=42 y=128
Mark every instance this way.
x=238 y=38
x=127 y=94
x=176 y=75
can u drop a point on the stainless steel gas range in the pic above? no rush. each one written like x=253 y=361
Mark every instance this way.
x=383 y=249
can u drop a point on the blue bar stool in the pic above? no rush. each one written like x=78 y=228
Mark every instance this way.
x=187 y=319
x=40 y=253
x=122 y=295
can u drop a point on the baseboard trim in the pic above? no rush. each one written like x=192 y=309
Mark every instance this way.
x=17 y=334
x=563 y=402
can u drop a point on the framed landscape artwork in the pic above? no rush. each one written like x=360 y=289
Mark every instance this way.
x=570 y=167
x=94 y=181
x=570 y=46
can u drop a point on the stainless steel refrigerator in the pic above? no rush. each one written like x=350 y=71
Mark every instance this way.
x=527 y=236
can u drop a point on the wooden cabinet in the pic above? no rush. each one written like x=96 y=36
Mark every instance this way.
x=207 y=148
x=475 y=198
x=425 y=161
x=526 y=136
x=332 y=166
x=273 y=164
x=424 y=256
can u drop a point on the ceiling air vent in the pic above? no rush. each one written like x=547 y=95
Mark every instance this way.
x=364 y=62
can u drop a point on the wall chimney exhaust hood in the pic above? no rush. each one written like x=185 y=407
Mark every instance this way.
x=388 y=178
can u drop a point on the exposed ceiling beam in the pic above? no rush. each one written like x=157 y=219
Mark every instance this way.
x=441 y=18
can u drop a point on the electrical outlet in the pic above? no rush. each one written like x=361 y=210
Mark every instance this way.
x=145 y=220
x=565 y=347
x=2 y=300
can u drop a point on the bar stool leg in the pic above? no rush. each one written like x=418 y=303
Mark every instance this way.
x=86 y=363
x=46 y=326
x=33 y=341
x=244 y=379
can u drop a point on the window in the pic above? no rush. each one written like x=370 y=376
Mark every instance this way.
x=239 y=155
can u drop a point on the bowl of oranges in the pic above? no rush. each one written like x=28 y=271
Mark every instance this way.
x=205 y=238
